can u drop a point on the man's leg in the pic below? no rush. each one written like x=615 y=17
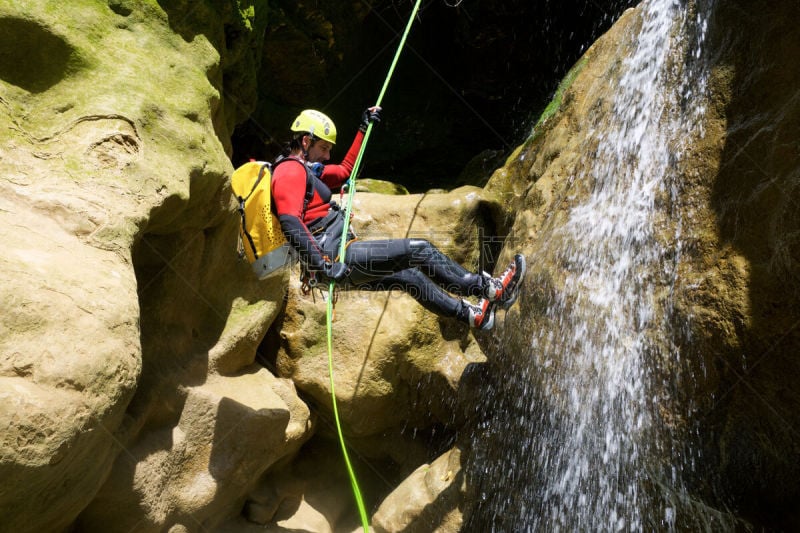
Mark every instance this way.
x=371 y=260
x=433 y=298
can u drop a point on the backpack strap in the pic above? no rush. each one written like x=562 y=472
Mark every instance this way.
x=309 y=184
x=261 y=173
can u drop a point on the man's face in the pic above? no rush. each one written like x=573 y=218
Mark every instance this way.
x=319 y=151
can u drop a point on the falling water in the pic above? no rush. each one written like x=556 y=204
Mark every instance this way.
x=598 y=455
x=609 y=304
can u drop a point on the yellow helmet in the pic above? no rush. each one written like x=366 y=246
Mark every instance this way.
x=317 y=124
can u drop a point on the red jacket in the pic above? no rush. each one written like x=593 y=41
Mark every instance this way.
x=289 y=190
x=289 y=185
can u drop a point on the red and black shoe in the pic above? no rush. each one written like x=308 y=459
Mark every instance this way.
x=504 y=290
x=480 y=316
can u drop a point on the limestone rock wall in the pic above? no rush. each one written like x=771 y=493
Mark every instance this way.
x=119 y=342
x=754 y=201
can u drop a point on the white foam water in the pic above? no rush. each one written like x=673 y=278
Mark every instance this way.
x=603 y=461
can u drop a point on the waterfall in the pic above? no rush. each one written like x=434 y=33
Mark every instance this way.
x=596 y=453
x=614 y=331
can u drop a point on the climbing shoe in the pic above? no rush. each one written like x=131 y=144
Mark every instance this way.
x=503 y=290
x=480 y=316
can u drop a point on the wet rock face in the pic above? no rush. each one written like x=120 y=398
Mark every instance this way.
x=734 y=301
x=755 y=202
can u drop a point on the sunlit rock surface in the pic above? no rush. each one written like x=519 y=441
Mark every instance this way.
x=124 y=311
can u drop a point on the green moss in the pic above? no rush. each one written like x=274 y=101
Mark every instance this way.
x=555 y=103
x=247 y=15
x=75 y=167
x=243 y=313
x=380 y=186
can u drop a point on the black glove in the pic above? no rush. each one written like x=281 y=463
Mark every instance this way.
x=335 y=271
x=370 y=114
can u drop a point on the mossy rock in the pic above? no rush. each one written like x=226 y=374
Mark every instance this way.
x=380 y=187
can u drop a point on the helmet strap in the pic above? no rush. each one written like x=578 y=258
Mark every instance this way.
x=303 y=144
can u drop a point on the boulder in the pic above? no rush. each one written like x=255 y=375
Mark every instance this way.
x=197 y=473
x=396 y=365
x=429 y=500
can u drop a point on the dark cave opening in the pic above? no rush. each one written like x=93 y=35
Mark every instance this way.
x=470 y=83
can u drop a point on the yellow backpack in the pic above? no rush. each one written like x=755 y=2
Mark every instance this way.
x=261 y=240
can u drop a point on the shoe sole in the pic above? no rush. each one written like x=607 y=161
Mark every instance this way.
x=519 y=275
x=488 y=321
x=487 y=317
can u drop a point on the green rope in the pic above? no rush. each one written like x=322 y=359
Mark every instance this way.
x=342 y=250
x=352 y=192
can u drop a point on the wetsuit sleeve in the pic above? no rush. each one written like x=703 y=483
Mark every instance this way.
x=335 y=175
x=288 y=192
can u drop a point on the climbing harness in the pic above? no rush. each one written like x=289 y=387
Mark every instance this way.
x=342 y=250
x=323 y=230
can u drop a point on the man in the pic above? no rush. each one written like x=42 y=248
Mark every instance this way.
x=313 y=226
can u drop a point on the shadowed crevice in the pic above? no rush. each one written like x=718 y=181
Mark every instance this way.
x=32 y=57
